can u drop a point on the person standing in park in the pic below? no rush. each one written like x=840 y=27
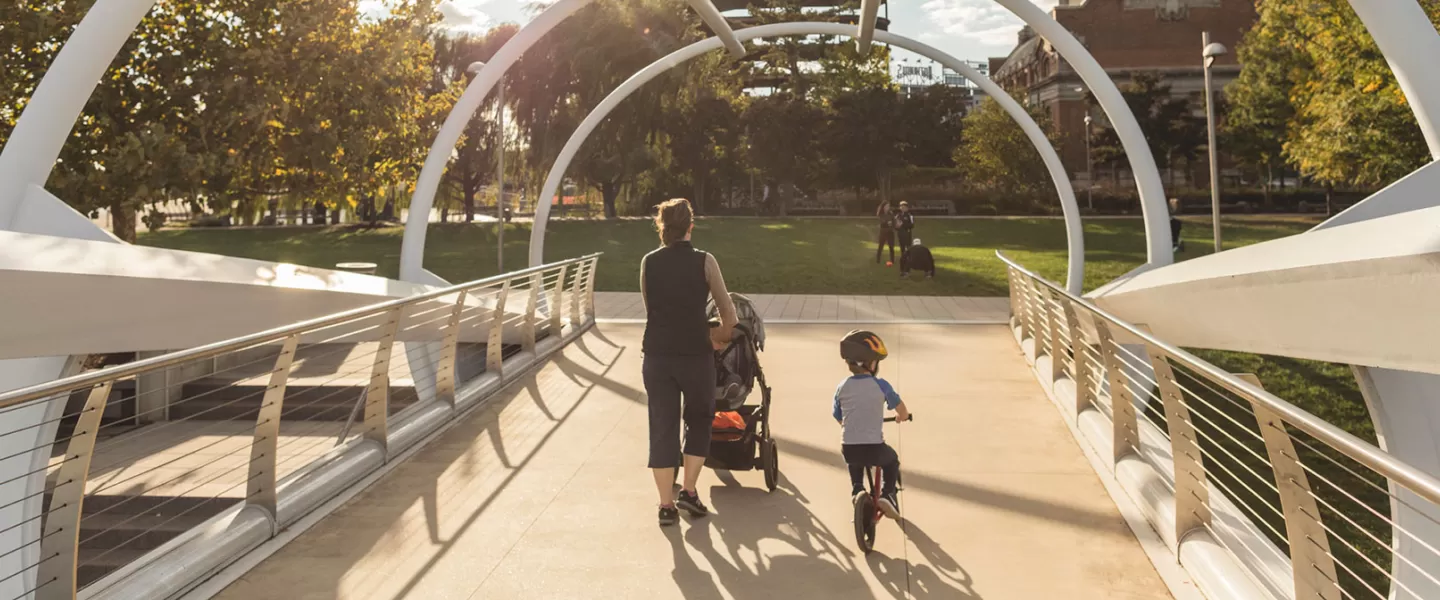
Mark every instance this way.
x=886 y=215
x=1177 y=243
x=679 y=355
x=905 y=229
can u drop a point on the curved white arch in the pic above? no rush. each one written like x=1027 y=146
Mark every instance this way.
x=1074 y=233
x=1137 y=152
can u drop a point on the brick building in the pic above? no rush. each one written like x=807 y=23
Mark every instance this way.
x=1125 y=37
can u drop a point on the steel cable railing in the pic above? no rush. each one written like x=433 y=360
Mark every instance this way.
x=127 y=457
x=1346 y=519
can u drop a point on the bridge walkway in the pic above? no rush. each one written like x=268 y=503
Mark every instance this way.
x=542 y=493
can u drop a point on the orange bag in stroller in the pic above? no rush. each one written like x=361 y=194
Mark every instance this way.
x=727 y=426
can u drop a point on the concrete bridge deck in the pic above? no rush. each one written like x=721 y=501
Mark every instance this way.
x=543 y=494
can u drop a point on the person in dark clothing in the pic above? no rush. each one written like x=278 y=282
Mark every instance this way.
x=886 y=215
x=679 y=355
x=905 y=230
x=1178 y=245
x=919 y=259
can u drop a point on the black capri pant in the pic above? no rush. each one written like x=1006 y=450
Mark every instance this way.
x=668 y=378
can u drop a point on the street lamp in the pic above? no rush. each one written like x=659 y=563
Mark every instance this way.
x=474 y=68
x=1210 y=53
x=1089 y=165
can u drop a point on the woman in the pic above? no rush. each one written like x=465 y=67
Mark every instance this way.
x=886 y=215
x=905 y=230
x=679 y=345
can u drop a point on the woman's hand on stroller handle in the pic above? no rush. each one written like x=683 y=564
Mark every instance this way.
x=910 y=417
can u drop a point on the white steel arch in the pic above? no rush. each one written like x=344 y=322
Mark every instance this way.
x=1074 y=232
x=1137 y=152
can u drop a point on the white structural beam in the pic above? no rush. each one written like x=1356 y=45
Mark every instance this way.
x=54 y=283
x=712 y=17
x=869 y=11
x=1075 y=273
x=1356 y=294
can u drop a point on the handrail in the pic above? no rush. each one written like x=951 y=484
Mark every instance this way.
x=92 y=378
x=1361 y=451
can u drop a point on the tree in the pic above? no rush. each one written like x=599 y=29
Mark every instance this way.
x=865 y=137
x=1259 y=99
x=784 y=141
x=1168 y=122
x=932 y=122
x=572 y=69
x=475 y=156
x=701 y=124
x=996 y=153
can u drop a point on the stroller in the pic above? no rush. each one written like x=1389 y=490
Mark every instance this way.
x=741 y=439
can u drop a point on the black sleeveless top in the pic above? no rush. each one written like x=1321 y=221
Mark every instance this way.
x=675 y=297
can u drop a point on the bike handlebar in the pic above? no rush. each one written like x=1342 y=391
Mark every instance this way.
x=892 y=419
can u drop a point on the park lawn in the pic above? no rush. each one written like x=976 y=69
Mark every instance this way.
x=797 y=256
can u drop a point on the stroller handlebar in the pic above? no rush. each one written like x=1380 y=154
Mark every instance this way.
x=892 y=419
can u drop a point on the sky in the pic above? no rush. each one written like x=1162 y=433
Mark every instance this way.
x=967 y=29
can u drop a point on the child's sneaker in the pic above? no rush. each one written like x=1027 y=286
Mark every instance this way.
x=668 y=515
x=690 y=501
x=890 y=506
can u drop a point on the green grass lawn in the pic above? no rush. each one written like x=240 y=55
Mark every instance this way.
x=801 y=256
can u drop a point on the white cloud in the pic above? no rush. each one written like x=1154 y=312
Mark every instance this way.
x=463 y=16
x=983 y=21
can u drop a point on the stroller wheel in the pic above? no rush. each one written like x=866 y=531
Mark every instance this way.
x=770 y=463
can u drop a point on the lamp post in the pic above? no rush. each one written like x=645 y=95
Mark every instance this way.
x=1089 y=164
x=499 y=171
x=1210 y=52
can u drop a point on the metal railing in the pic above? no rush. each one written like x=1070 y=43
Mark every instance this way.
x=1304 y=508
x=126 y=462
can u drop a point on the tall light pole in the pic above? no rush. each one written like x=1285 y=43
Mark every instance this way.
x=1089 y=164
x=1209 y=54
x=499 y=170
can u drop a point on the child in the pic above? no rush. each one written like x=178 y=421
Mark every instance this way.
x=860 y=403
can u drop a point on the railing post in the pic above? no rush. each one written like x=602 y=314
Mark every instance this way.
x=1310 y=556
x=555 y=310
x=1122 y=406
x=264 y=448
x=1053 y=300
x=445 y=374
x=576 y=288
x=1192 y=492
x=590 y=287
x=60 y=541
x=1016 y=319
x=494 y=355
x=527 y=327
x=1081 y=375
x=377 y=396
x=1027 y=302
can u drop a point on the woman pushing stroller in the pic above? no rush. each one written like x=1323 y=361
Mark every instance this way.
x=676 y=280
